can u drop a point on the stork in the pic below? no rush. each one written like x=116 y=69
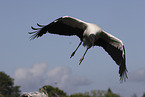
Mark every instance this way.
x=90 y=35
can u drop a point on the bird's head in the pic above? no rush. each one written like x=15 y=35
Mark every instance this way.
x=92 y=39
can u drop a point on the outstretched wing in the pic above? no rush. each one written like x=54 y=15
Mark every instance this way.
x=115 y=48
x=63 y=26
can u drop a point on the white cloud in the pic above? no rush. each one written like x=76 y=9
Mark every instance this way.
x=39 y=69
x=59 y=74
x=65 y=80
x=31 y=79
x=36 y=71
x=34 y=78
x=138 y=75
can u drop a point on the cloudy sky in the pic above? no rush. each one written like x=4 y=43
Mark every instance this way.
x=46 y=61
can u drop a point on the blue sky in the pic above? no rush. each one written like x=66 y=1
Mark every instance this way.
x=47 y=60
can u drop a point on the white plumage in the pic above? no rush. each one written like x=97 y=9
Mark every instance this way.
x=90 y=34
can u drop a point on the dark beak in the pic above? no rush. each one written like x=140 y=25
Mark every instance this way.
x=93 y=40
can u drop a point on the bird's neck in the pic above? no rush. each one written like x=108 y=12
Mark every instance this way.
x=86 y=42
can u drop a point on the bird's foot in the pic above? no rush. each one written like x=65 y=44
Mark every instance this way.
x=81 y=60
x=72 y=54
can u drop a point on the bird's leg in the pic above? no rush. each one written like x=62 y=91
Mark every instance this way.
x=83 y=56
x=76 y=49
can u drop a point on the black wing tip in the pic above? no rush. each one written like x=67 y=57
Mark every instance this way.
x=34 y=28
x=123 y=73
x=31 y=32
x=38 y=32
x=123 y=76
x=122 y=69
x=35 y=33
x=40 y=25
x=33 y=36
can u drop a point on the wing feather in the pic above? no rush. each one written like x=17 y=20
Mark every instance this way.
x=63 y=26
x=115 y=48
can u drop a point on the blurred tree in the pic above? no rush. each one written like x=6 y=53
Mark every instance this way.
x=143 y=95
x=111 y=94
x=56 y=92
x=134 y=95
x=1 y=95
x=79 y=95
x=53 y=92
x=96 y=93
x=7 y=88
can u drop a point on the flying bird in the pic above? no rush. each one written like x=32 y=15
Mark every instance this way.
x=90 y=35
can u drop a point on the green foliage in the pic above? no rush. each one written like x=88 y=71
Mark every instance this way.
x=7 y=87
x=79 y=95
x=96 y=93
x=53 y=92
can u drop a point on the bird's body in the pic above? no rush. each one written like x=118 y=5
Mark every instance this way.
x=91 y=29
x=90 y=34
